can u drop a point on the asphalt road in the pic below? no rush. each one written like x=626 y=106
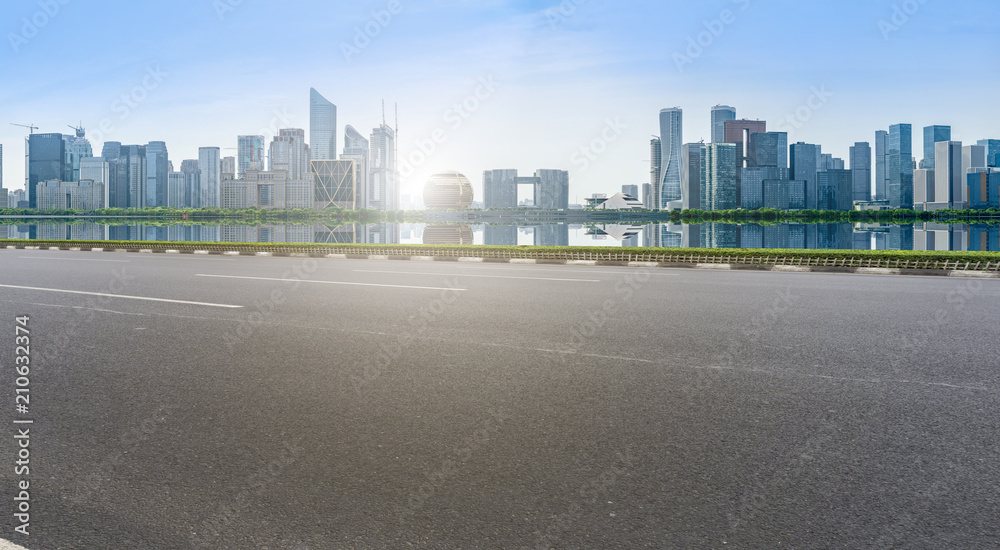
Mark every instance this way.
x=288 y=403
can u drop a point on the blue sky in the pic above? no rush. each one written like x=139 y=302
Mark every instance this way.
x=574 y=85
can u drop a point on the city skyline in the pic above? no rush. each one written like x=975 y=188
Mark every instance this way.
x=564 y=74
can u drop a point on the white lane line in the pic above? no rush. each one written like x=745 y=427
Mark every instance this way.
x=555 y=267
x=328 y=282
x=7 y=545
x=73 y=259
x=123 y=296
x=469 y=275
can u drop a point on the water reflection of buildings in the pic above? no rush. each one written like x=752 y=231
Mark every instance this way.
x=356 y=233
x=448 y=234
x=70 y=232
x=628 y=235
x=542 y=235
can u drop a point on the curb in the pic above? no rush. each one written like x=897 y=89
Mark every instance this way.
x=878 y=271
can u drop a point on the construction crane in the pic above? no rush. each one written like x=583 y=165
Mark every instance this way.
x=31 y=127
x=80 y=131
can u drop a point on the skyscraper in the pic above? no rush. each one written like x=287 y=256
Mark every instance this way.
x=210 y=165
x=804 y=159
x=720 y=114
x=249 y=154
x=835 y=189
x=131 y=176
x=949 y=181
x=98 y=170
x=992 y=151
x=383 y=193
x=500 y=189
x=1 y=165
x=192 y=183
x=880 y=192
x=322 y=127
x=288 y=152
x=973 y=157
x=228 y=166
x=46 y=161
x=76 y=147
x=671 y=139
x=861 y=170
x=157 y=168
x=768 y=149
x=900 y=166
x=655 y=173
x=932 y=135
x=552 y=189
x=356 y=148
x=719 y=183
x=117 y=190
x=691 y=187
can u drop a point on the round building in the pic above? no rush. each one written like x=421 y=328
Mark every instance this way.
x=448 y=191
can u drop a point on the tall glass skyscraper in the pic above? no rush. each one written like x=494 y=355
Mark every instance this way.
x=881 y=165
x=861 y=170
x=46 y=161
x=992 y=151
x=932 y=135
x=671 y=140
x=719 y=183
x=768 y=149
x=655 y=173
x=210 y=164
x=383 y=191
x=249 y=154
x=691 y=192
x=720 y=114
x=900 y=166
x=356 y=148
x=804 y=167
x=157 y=168
x=322 y=127
x=77 y=147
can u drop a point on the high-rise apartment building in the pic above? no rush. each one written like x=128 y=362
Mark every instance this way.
x=97 y=170
x=357 y=148
x=157 y=168
x=228 y=166
x=322 y=127
x=249 y=154
x=932 y=135
x=861 y=170
x=804 y=159
x=720 y=114
x=62 y=195
x=46 y=161
x=383 y=190
x=899 y=166
x=210 y=164
x=175 y=190
x=671 y=140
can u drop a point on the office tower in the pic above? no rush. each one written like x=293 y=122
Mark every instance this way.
x=973 y=158
x=804 y=159
x=768 y=149
x=880 y=191
x=992 y=151
x=900 y=166
x=1 y=165
x=356 y=148
x=228 y=166
x=175 y=190
x=499 y=189
x=923 y=189
x=288 y=152
x=671 y=136
x=62 y=195
x=752 y=184
x=861 y=170
x=655 y=172
x=97 y=170
x=127 y=172
x=984 y=191
x=932 y=135
x=739 y=131
x=249 y=154
x=192 y=183
x=383 y=191
x=647 y=194
x=631 y=190
x=76 y=147
x=210 y=164
x=46 y=161
x=336 y=184
x=836 y=190
x=322 y=127
x=117 y=189
x=719 y=183
x=720 y=114
x=552 y=189
x=157 y=169
x=949 y=180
